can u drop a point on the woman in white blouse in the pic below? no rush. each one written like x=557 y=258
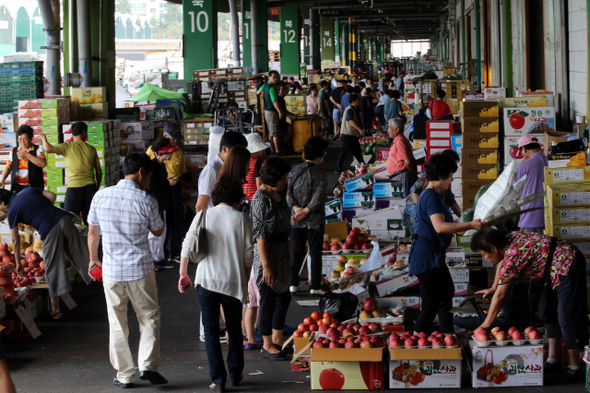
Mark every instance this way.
x=222 y=278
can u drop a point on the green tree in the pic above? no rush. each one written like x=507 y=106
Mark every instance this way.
x=123 y=7
x=170 y=22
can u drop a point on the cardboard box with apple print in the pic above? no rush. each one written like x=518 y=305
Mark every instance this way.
x=418 y=368
x=347 y=369
x=507 y=366
x=536 y=120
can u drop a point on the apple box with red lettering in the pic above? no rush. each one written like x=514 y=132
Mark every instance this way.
x=424 y=368
x=347 y=369
x=507 y=366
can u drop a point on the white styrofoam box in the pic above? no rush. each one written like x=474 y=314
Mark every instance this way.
x=137 y=130
x=382 y=220
x=523 y=365
x=493 y=93
x=387 y=236
x=455 y=254
x=407 y=302
x=520 y=121
x=460 y=274
x=396 y=284
x=461 y=288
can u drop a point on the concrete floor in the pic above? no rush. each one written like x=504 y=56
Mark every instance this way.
x=71 y=355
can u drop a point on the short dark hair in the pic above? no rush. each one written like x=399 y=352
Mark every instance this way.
x=342 y=81
x=134 y=162
x=78 y=128
x=353 y=98
x=368 y=90
x=273 y=169
x=357 y=90
x=394 y=94
x=362 y=84
x=349 y=89
x=330 y=74
x=228 y=191
x=231 y=139
x=273 y=72
x=532 y=146
x=440 y=93
x=160 y=143
x=452 y=153
x=25 y=130
x=5 y=196
x=440 y=167
x=315 y=147
x=232 y=104
x=486 y=238
x=323 y=84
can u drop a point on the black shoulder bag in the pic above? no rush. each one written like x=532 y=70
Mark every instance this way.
x=547 y=289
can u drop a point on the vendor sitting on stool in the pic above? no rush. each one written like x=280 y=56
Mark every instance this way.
x=525 y=257
x=60 y=237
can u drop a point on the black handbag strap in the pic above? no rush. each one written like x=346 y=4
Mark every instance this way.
x=547 y=274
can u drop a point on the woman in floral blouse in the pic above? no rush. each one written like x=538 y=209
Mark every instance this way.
x=419 y=186
x=523 y=256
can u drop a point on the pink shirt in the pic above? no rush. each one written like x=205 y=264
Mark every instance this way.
x=400 y=150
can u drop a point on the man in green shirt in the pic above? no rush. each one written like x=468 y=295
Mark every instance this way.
x=83 y=169
x=272 y=111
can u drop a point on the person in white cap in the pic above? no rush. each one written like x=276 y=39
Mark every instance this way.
x=533 y=166
x=257 y=148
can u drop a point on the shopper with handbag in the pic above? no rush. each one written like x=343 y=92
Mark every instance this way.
x=221 y=238
x=561 y=268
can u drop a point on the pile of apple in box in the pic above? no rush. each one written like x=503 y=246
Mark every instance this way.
x=11 y=282
x=357 y=242
x=514 y=336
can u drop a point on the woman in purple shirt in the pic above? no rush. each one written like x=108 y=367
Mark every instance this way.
x=533 y=166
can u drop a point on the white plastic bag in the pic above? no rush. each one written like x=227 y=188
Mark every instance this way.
x=375 y=260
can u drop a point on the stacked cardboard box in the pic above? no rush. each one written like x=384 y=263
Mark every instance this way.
x=92 y=102
x=139 y=134
x=438 y=136
x=479 y=153
x=567 y=206
x=196 y=131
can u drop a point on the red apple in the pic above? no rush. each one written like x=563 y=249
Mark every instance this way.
x=535 y=335
x=350 y=344
x=395 y=344
x=341 y=328
x=364 y=315
x=323 y=329
x=423 y=342
x=326 y=246
x=366 y=344
x=4 y=247
x=367 y=246
x=409 y=343
x=334 y=344
x=436 y=343
x=450 y=341
x=342 y=259
x=347 y=246
x=333 y=333
x=375 y=327
x=348 y=332
x=364 y=331
x=335 y=247
x=354 y=232
x=352 y=240
x=368 y=305
x=318 y=344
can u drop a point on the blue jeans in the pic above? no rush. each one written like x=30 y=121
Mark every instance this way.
x=232 y=308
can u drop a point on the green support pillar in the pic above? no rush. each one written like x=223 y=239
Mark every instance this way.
x=290 y=39
x=337 y=52
x=507 y=41
x=199 y=36
x=476 y=10
x=306 y=35
x=327 y=41
x=261 y=32
x=463 y=35
x=66 y=40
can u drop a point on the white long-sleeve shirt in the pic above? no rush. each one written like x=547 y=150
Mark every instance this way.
x=229 y=251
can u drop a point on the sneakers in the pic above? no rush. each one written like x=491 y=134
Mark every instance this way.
x=175 y=259
x=293 y=289
x=164 y=264
x=317 y=292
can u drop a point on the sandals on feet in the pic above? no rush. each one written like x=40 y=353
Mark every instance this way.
x=57 y=315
